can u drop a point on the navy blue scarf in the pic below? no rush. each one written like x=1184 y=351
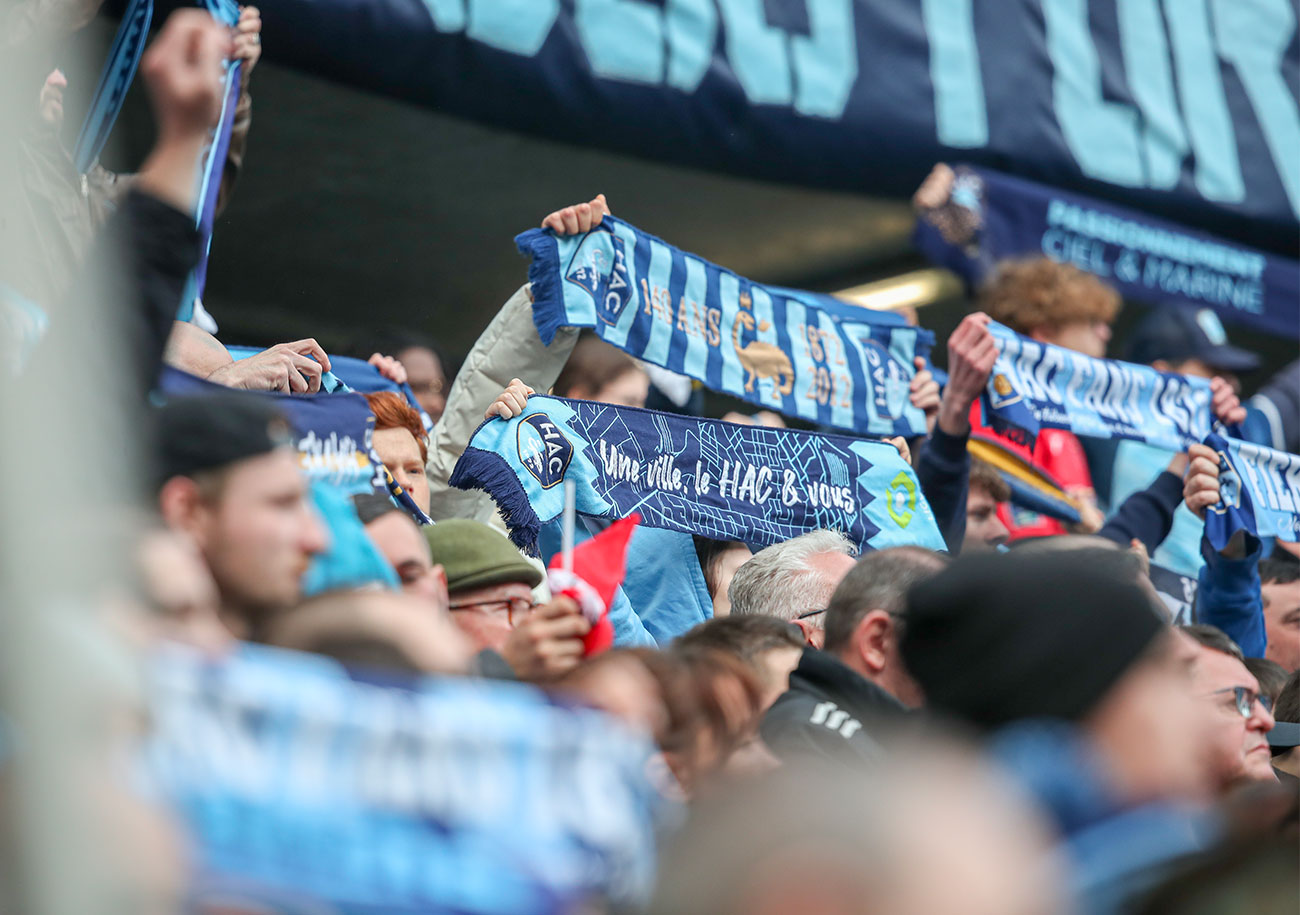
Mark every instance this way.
x=696 y=476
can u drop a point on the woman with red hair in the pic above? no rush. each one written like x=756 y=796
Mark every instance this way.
x=401 y=444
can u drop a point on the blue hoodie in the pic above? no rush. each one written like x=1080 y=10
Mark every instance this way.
x=664 y=593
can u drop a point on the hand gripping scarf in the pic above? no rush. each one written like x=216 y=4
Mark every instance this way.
x=696 y=476
x=1259 y=492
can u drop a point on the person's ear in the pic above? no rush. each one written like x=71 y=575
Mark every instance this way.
x=182 y=508
x=813 y=635
x=871 y=640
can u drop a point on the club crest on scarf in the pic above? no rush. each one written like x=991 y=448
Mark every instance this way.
x=600 y=267
x=1229 y=485
x=891 y=380
x=543 y=449
x=901 y=497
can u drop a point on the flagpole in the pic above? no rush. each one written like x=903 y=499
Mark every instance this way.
x=566 y=559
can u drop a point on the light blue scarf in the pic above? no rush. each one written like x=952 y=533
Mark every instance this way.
x=696 y=476
x=806 y=355
x=119 y=71
x=1037 y=385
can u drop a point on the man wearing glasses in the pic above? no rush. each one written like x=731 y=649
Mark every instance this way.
x=490 y=589
x=1238 y=750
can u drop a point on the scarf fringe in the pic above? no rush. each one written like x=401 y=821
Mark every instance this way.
x=492 y=474
x=544 y=275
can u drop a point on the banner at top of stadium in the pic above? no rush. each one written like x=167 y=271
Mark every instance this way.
x=1183 y=107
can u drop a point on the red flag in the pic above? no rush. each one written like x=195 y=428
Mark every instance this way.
x=599 y=565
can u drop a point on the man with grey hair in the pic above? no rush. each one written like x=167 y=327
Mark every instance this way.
x=841 y=700
x=794 y=580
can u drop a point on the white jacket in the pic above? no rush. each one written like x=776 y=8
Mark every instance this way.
x=508 y=348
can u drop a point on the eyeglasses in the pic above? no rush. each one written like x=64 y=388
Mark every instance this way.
x=1245 y=698
x=808 y=613
x=514 y=608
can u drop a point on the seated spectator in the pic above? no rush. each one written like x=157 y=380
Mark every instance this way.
x=728 y=695
x=769 y=646
x=1237 y=749
x=842 y=698
x=490 y=588
x=423 y=367
x=793 y=581
x=1279 y=590
x=598 y=371
x=181 y=593
x=936 y=831
x=1089 y=700
x=229 y=480
x=401 y=443
x=399 y=539
x=375 y=629
x=719 y=560
x=1271 y=678
x=987 y=492
x=1284 y=739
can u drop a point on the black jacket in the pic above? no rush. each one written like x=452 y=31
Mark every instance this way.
x=829 y=712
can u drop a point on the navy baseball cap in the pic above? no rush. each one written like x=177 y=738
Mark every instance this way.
x=1175 y=334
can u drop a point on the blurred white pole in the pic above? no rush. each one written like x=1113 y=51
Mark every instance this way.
x=566 y=529
x=66 y=685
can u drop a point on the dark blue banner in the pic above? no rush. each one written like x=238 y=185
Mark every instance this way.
x=1192 y=115
x=991 y=216
x=309 y=789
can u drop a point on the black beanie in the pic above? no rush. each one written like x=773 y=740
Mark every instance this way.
x=215 y=430
x=996 y=638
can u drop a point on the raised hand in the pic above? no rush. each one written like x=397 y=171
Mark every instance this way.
x=510 y=402
x=1224 y=403
x=183 y=71
x=548 y=644
x=972 y=352
x=248 y=40
x=923 y=392
x=287 y=367
x=579 y=218
x=1201 y=485
x=389 y=367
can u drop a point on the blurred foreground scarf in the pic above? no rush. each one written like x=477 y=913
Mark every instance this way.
x=706 y=477
x=212 y=163
x=110 y=93
x=805 y=355
x=1259 y=492
x=1037 y=385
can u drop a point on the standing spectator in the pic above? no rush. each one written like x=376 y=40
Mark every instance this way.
x=988 y=492
x=1061 y=305
x=1178 y=340
x=65 y=208
x=769 y=646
